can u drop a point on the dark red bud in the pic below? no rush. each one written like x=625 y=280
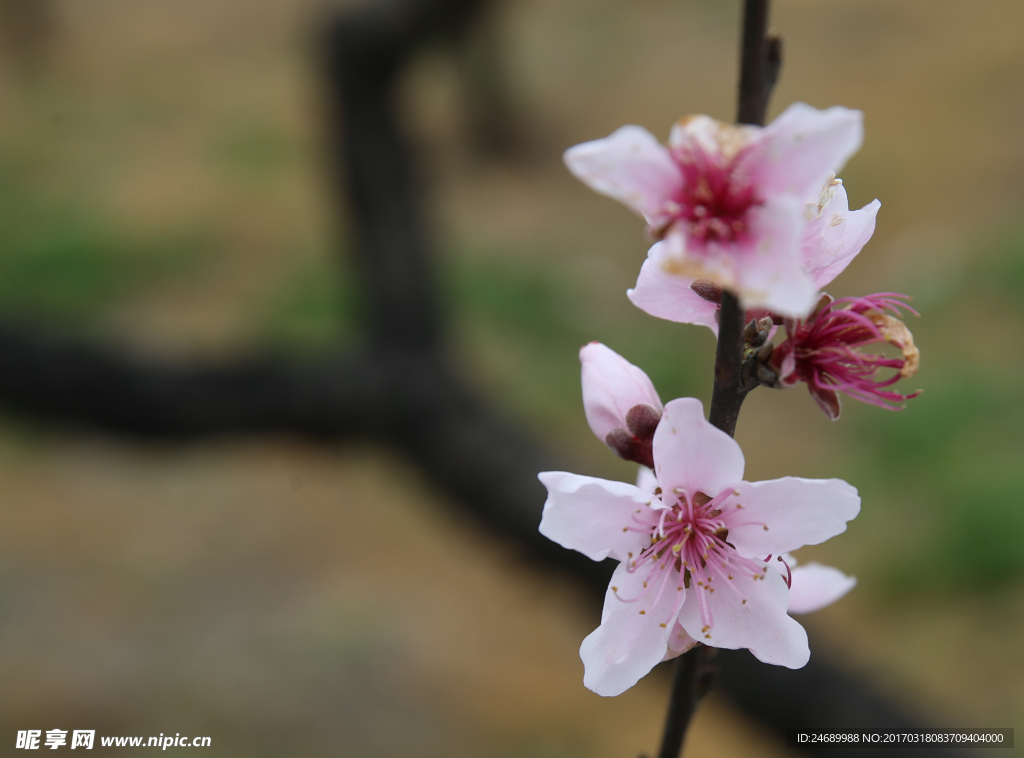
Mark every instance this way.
x=708 y=290
x=756 y=314
x=630 y=448
x=642 y=420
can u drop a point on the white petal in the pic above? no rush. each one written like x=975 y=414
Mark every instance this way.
x=834 y=235
x=611 y=386
x=631 y=166
x=768 y=269
x=816 y=586
x=692 y=455
x=797 y=152
x=760 y=623
x=592 y=515
x=668 y=296
x=629 y=643
x=784 y=514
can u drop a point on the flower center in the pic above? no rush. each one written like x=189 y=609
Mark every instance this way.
x=714 y=201
x=691 y=538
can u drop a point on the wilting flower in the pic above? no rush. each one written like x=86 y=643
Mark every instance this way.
x=832 y=236
x=728 y=201
x=696 y=553
x=622 y=406
x=824 y=350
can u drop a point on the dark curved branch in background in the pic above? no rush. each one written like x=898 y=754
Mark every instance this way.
x=364 y=53
x=400 y=390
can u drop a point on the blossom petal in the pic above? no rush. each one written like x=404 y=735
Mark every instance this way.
x=784 y=514
x=719 y=140
x=797 y=151
x=611 y=386
x=691 y=454
x=630 y=166
x=834 y=234
x=668 y=296
x=769 y=273
x=751 y=616
x=633 y=636
x=679 y=642
x=646 y=480
x=592 y=515
x=816 y=586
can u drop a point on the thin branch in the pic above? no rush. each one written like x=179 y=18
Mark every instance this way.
x=694 y=673
x=760 y=59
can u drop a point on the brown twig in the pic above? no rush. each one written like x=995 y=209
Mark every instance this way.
x=761 y=57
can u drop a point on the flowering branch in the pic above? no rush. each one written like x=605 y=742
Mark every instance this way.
x=761 y=58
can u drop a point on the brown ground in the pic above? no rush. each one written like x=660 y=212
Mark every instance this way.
x=291 y=600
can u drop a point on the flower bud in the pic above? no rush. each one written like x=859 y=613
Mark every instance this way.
x=622 y=406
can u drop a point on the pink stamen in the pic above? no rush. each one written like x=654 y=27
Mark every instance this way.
x=827 y=354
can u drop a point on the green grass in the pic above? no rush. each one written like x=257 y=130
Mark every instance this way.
x=316 y=308
x=63 y=263
x=952 y=462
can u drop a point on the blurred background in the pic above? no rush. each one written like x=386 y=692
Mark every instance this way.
x=165 y=187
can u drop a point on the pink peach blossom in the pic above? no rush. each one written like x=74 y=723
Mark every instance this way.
x=832 y=236
x=728 y=201
x=811 y=587
x=695 y=552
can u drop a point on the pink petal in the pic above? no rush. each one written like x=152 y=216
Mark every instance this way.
x=816 y=586
x=692 y=455
x=784 y=514
x=834 y=234
x=679 y=642
x=797 y=152
x=716 y=139
x=646 y=481
x=628 y=644
x=669 y=296
x=760 y=623
x=590 y=515
x=611 y=386
x=768 y=269
x=630 y=166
